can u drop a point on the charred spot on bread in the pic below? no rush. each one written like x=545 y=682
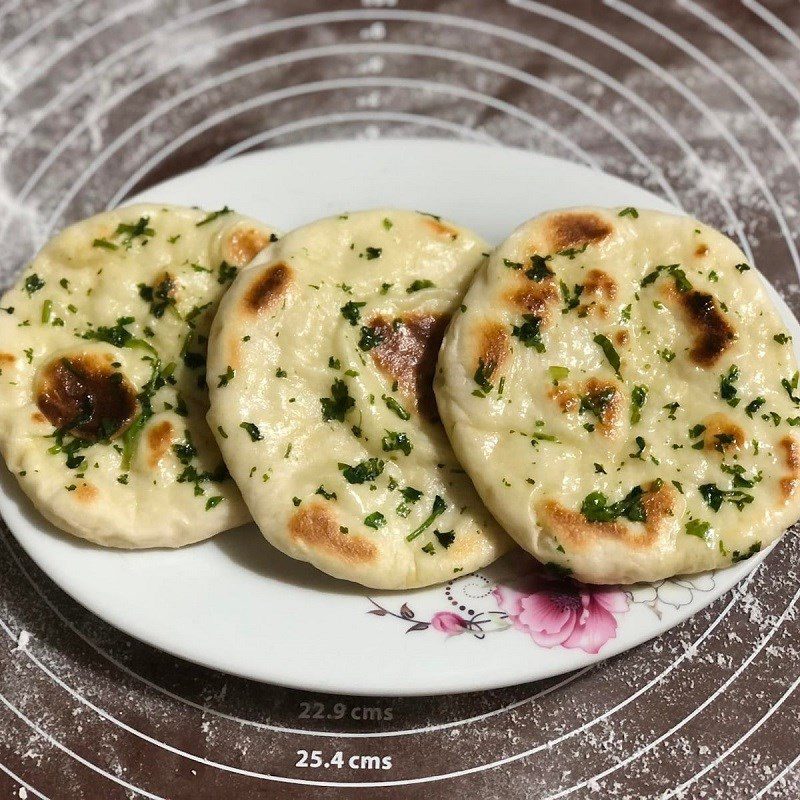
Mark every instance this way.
x=534 y=297
x=159 y=439
x=316 y=526
x=600 y=284
x=244 y=244
x=407 y=353
x=266 y=291
x=84 y=393
x=712 y=333
x=576 y=228
x=722 y=434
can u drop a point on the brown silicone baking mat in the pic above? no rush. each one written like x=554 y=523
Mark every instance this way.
x=697 y=101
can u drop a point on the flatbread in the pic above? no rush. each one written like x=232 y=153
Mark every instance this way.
x=102 y=375
x=624 y=396
x=325 y=412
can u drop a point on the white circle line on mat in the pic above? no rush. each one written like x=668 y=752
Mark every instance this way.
x=773 y=21
x=283 y=24
x=344 y=117
x=27 y=786
x=329 y=85
x=320 y=52
x=672 y=38
x=36 y=28
x=701 y=58
x=779 y=777
x=41 y=732
x=276 y=728
x=84 y=36
x=722 y=756
x=528 y=41
x=716 y=24
x=102 y=66
x=689 y=717
x=650 y=65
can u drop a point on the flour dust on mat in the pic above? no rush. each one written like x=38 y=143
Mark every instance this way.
x=624 y=396
x=102 y=375
x=320 y=368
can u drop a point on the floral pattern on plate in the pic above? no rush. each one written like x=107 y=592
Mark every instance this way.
x=553 y=610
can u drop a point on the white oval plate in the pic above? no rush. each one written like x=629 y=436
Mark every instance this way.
x=235 y=604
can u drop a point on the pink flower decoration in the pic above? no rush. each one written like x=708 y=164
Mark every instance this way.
x=560 y=613
x=448 y=623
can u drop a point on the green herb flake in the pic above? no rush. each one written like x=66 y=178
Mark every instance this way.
x=630 y=211
x=596 y=508
x=445 y=538
x=394 y=406
x=375 y=520
x=529 y=333
x=737 y=556
x=638 y=399
x=557 y=374
x=609 y=351
x=104 y=244
x=47 y=311
x=134 y=231
x=33 y=283
x=483 y=375
x=227 y=272
x=666 y=354
x=351 y=311
x=727 y=387
x=418 y=285
x=212 y=215
x=790 y=386
x=338 y=404
x=671 y=408
x=572 y=252
x=395 y=440
x=438 y=508
x=364 y=472
x=214 y=501
x=226 y=377
x=252 y=430
x=714 y=496
x=699 y=528
x=572 y=298
x=370 y=337
x=539 y=271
